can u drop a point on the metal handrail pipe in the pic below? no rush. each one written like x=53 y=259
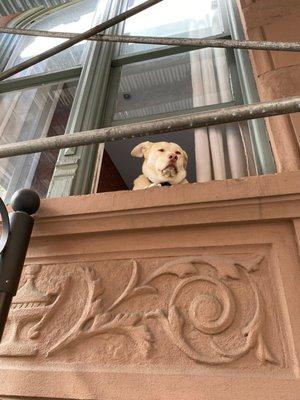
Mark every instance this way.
x=154 y=127
x=166 y=41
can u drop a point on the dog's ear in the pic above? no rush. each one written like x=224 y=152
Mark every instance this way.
x=141 y=149
x=186 y=157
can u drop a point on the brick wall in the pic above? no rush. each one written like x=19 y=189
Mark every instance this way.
x=277 y=73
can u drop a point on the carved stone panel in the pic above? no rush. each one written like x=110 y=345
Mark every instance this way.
x=190 y=311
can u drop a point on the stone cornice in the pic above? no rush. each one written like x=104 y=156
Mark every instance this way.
x=255 y=198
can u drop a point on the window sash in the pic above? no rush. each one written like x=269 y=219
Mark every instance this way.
x=226 y=34
x=75 y=166
x=259 y=136
x=16 y=84
x=115 y=79
x=38 y=103
x=263 y=153
x=162 y=51
x=8 y=42
x=211 y=107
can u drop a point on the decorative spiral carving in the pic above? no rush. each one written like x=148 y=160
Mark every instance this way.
x=202 y=306
x=210 y=314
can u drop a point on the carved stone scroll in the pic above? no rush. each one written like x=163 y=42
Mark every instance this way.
x=210 y=308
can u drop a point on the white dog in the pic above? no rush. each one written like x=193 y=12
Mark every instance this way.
x=164 y=165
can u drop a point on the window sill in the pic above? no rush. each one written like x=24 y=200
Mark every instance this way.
x=246 y=199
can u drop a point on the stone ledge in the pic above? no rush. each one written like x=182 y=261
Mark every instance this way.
x=196 y=193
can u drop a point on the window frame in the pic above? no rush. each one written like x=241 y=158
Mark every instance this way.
x=77 y=169
x=25 y=20
x=242 y=82
x=151 y=55
x=12 y=85
x=259 y=135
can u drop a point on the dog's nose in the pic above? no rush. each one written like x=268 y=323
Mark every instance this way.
x=173 y=157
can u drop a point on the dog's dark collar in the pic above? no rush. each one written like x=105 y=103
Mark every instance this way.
x=164 y=183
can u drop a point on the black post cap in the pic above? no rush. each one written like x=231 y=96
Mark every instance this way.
x=25 y=200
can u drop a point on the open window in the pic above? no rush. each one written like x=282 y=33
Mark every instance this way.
x=109 y=84
x=148 y=82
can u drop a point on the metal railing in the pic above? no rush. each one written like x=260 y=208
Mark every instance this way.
x=165 y=41
x=154 y=127
x=162 y=125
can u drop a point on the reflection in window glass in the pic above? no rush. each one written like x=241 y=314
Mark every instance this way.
x=189 y=18
x=30 y=114
x=173 y=83
x=75 y=18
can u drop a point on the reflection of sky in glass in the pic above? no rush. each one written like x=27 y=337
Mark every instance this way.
x=29 y=114
x=169 y=12
x=76 y=17
x=181 y=18
x=42 y=44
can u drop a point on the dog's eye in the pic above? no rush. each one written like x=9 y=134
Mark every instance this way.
x=177 y=152
x=161 y=150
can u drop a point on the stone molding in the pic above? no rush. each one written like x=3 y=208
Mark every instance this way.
x=162 y=292
x=276 y=73
x=210 y=313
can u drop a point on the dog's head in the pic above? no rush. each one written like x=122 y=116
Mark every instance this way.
x=164 y=162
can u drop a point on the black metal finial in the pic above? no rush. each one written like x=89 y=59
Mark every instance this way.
x=14 y=241
x=25 y=200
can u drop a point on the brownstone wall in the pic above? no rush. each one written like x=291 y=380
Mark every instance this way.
x=277 y=73
x=188 y=293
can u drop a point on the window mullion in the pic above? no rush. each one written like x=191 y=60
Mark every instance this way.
x=26 y=82
x=160 y=52
x=225 y=16
x=74 y=170
x=233 y=76
x=259 y=138
x=210 y=107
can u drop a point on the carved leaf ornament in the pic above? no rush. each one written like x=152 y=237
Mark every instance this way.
x=209 y=311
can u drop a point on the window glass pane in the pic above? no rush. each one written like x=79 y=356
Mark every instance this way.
x=75 y=18
x=173 y=83
x=30 y=114
x=189 y=18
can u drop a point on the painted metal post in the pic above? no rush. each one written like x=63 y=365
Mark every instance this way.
x=166 y=41
x=155 y=127
x=17 y=228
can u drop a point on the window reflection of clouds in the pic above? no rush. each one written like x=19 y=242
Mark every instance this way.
x=191 y=18
x=77 y=17
x=43 y=44
x=170 y=11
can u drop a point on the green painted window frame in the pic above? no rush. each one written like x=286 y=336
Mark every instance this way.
x=8 y=43
x=242 y=82
x=259 y=135
x=77 y=168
